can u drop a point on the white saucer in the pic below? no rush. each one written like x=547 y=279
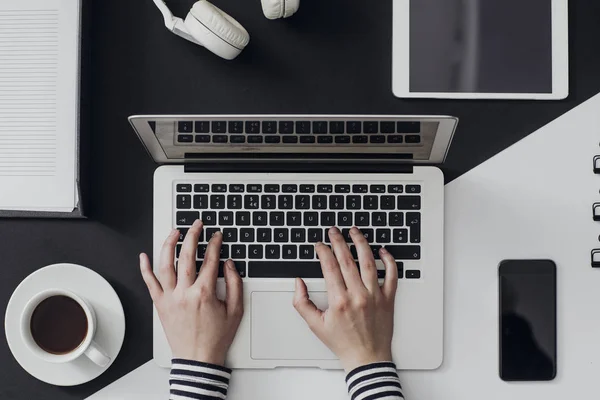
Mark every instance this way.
x=87 y=284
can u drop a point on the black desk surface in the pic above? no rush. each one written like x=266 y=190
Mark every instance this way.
x=332 y=57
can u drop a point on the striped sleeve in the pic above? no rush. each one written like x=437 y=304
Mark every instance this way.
x=197 y=380
x=374 y=382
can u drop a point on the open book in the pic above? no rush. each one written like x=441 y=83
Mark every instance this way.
x=39 y=104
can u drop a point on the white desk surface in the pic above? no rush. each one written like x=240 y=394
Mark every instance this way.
x=533 y=200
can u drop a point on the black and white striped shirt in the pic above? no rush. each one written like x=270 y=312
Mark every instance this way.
x=201 y=381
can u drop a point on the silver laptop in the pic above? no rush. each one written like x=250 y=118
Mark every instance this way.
x=274 y=185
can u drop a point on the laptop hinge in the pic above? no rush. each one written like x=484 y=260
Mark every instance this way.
x=298 y=167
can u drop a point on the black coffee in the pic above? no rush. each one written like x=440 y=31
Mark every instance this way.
x=59 y=325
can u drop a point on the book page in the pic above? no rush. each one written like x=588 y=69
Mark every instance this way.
x=39 y=101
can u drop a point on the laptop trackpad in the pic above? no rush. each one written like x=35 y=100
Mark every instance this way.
x=280 y=333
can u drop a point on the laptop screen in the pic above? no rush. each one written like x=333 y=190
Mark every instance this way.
x=175 y=139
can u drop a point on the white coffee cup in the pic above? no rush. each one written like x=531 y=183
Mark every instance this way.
x=88 y=347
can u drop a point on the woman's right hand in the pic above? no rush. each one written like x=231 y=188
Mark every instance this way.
x=359 y=324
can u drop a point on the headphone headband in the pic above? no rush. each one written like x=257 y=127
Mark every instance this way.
x=167 y=14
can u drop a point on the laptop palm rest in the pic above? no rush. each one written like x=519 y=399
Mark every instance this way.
x=279 y=333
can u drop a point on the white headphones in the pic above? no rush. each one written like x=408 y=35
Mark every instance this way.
x=210 y=27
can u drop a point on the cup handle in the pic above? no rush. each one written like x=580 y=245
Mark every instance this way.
x=97 y=354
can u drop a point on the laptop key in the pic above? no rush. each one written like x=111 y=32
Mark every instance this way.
x=254 y=188
x=324 y=139
x=182 y=233
x=405 y=252
x=269 y=127
x=371 y=203
x=360 y=189
x=273 y=252
x=354 y=127
x=413 y=189
x=263 y=235
x=201 y=201
x=285 y=202
x=236 y=127
x=202 y=250
x=342 y=188
x=237 y=139
x=259 y=218
x=255 y=139
x=238 y=251
x=217 y=201
x=361 y=219
x=298 y=235
x=413 y=274
x=268 y=202
x=209 y=218
x=307 y=139
x=307 y=252
x=371 y=126
x=210 y=232
x=395 y=189
x=185 y=138
x=202 y=127
x=396 y=219
x=327 y=219
x=388 y=202
x=307 y=188
x=336 y=202
x=242 y=218
x=289 y=269
x=252 y=127
x=345 y=219
x=271 y=188
x=409 y=127
x=379 y=219
x=353 y=202
x=226 y=218
x=395 y=139
x=388 y=127
x=409 y=202
x=342 y=139
x=383 y=235
x=251 y=201
x=286 y=127
x=272 y=139
x=184 y=201
x=311 y=219
x=202 y=139
x=201 y=188
x=290 y=252
x=414 y=221
x=377 y=189
x=319 y=127
x=325 y=188
x=413 y=139
x=184 y=188
x=290 y=139
x=400 y=235
x=360 y=139
x=294 y=218
x=369 y=234
x=219 y=127
x=234 y=202
x=319 y=202
x=302 y=202
x=315 y=235
x=346 y=235
x=185 y=126
x=186 y=217
x=219 y=188
x=375 y=251
x=277 y=218
x=236 y=188
x=303 y=128
x=289 y=188
x=230 y=235
x=220 y=138
x=255 y=251
x=281 y=235
x=247 y=235
x=336 y=127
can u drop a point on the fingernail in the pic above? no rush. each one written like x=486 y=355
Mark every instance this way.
x=297 y=283
x=334 y=230
x=197 y=222
x=318 y=244
x=383 y=251
x=219 y=233
x=354 y=230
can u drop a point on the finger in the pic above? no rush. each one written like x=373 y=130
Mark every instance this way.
x=391 y=275
x=148 y=275
x=186 y=267
x=210 y=267
x=307 y=309
x=234 y=299
x=368 y=269
x=331 y=271
x=345 y=260
x=166 y=267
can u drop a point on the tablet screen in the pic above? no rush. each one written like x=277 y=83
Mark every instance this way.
x=481 y=46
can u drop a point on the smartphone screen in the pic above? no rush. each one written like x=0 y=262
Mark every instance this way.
x=527 y=320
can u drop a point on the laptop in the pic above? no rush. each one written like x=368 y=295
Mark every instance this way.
x=274 y=185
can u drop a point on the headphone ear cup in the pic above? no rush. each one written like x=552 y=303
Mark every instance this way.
x=274 y=9
x=216 y=30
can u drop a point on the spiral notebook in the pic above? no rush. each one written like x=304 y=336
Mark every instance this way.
x=39 y=107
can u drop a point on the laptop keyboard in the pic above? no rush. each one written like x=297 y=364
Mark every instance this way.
x=269 y=230
x=257 y=132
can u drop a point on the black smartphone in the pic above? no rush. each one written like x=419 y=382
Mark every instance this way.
x=527 y=320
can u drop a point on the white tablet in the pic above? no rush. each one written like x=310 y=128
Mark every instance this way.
x=481 y=49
